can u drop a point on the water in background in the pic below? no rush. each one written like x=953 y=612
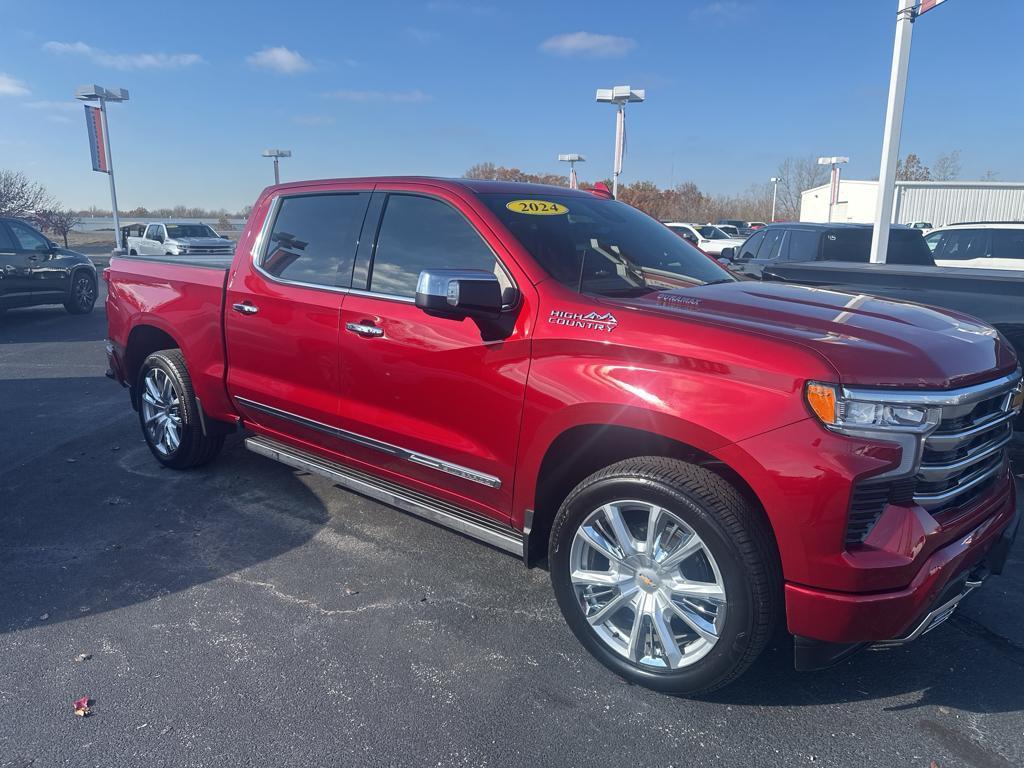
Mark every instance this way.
x=101 y=223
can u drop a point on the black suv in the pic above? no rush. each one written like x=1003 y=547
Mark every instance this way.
x=801 y=241
x=34 y=270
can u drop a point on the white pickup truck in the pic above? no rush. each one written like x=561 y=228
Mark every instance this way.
x=174 y=239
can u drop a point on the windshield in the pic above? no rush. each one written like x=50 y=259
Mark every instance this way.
x=602 y=246
x=174 y=231
x=709 y=232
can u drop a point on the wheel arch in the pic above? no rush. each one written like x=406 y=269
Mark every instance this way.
x=144 y=340
x=579 y=451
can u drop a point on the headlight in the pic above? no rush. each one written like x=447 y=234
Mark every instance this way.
x=839 y=413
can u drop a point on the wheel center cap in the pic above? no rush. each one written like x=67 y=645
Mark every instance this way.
x=647 y=580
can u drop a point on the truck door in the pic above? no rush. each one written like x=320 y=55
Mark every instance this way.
x=433 y=402
x=150 y=244
x=282 y=314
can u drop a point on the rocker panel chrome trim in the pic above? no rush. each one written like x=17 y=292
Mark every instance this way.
x=416 y=458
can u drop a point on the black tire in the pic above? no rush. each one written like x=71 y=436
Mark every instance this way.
x=194 y=447
x=82 y=298
x=737 y=537
x=133 y=252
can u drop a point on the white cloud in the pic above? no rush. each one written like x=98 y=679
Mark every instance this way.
x=10 y=86
x=124 y=60
x=280 y=59
x=394 y=97
x=588 y=44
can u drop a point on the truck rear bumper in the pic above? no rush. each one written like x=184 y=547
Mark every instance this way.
x=831 y=625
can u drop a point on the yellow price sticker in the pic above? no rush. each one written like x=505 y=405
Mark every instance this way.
x=537 y=207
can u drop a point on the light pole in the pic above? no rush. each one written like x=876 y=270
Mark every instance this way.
x=620 y=96
x=277 y=154
x=775 y=192
x=833 y=195
x=572 y=159
x=103 y=95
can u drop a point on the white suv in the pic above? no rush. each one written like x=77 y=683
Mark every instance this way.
x=986 y=245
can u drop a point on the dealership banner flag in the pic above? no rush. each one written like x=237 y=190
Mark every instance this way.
x=927 y=5
x=97 y=141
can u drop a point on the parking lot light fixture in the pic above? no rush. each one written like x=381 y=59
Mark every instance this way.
x=572 y=159
x=620 y=96
x=103 y=95
x=277 y=154
x=775 y=192
x=835 y=163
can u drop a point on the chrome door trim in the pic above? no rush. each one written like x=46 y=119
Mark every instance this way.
x=368 y=442
x=458 y=519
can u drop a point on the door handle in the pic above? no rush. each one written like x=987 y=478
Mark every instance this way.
x=369 y=331
x=245 y=308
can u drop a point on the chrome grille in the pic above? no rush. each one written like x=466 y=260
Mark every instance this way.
x=211 y=250
x=966 y=450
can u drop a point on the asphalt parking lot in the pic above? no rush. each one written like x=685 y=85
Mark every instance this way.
x=245 y=614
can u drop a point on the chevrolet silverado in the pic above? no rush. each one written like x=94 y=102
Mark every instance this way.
x=694 y=458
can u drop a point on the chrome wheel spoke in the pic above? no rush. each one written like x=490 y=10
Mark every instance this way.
x=622 y=535
x=600 y=578
x=596 y=540
x=666 y=637
x=610 y=608
x=635 y=647
x=701 y=590
x=653 y=518
x=695 y=621
x=689 y=547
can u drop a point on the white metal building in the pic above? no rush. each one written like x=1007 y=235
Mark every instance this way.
x=935 y=202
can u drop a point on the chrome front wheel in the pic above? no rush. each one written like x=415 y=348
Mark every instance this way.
x=647 y=584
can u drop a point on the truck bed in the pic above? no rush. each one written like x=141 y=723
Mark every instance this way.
x=183 y=299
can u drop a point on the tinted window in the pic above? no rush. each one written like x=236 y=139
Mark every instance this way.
x=605 y=246
x=962 y=244
x=932 y=240
x=420 y=233
x=175 y=231
x=1008 y=243
x=28 y=239
x=906 y=246
x=770 y=245
x=6 y=243
x=152 y=231
x=802 y=245
x=749 y=249
x=314 y=238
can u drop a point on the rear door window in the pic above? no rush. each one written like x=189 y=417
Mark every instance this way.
x=749 y=249
x=801 y=245
x=314 y=238
x=419 y=233
x=6 y=241
x=769 y=249
x=847 y=245
x=27 y=238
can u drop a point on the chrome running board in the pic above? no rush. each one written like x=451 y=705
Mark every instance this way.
x=464 y=521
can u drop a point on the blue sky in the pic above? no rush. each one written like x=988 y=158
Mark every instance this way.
x=433 y=86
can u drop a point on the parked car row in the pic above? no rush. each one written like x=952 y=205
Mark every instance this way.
x=174 y=239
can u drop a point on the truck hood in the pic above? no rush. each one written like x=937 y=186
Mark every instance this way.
x=869 y=341
x=205 y=242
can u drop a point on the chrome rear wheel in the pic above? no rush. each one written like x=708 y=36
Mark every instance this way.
x=161 y=412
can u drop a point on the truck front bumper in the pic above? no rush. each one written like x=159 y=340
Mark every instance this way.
x=830 y=626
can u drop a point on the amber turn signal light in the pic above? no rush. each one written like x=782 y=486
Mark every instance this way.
x=822 y=399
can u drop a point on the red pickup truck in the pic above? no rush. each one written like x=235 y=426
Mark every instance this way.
x=695 y=458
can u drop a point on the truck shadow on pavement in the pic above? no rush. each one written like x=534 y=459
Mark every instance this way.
x=95 y=524
x=51 y=324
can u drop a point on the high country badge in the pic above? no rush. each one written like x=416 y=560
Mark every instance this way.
x=591 y=321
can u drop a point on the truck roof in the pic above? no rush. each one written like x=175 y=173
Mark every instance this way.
x=476 y=186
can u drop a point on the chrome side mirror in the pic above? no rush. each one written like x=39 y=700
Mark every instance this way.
x=459 y=292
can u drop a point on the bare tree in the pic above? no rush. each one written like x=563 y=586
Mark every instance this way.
x=947 y=167
x=21 y=198
x=797 y=174
x=910 y=168
x=60 y=221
